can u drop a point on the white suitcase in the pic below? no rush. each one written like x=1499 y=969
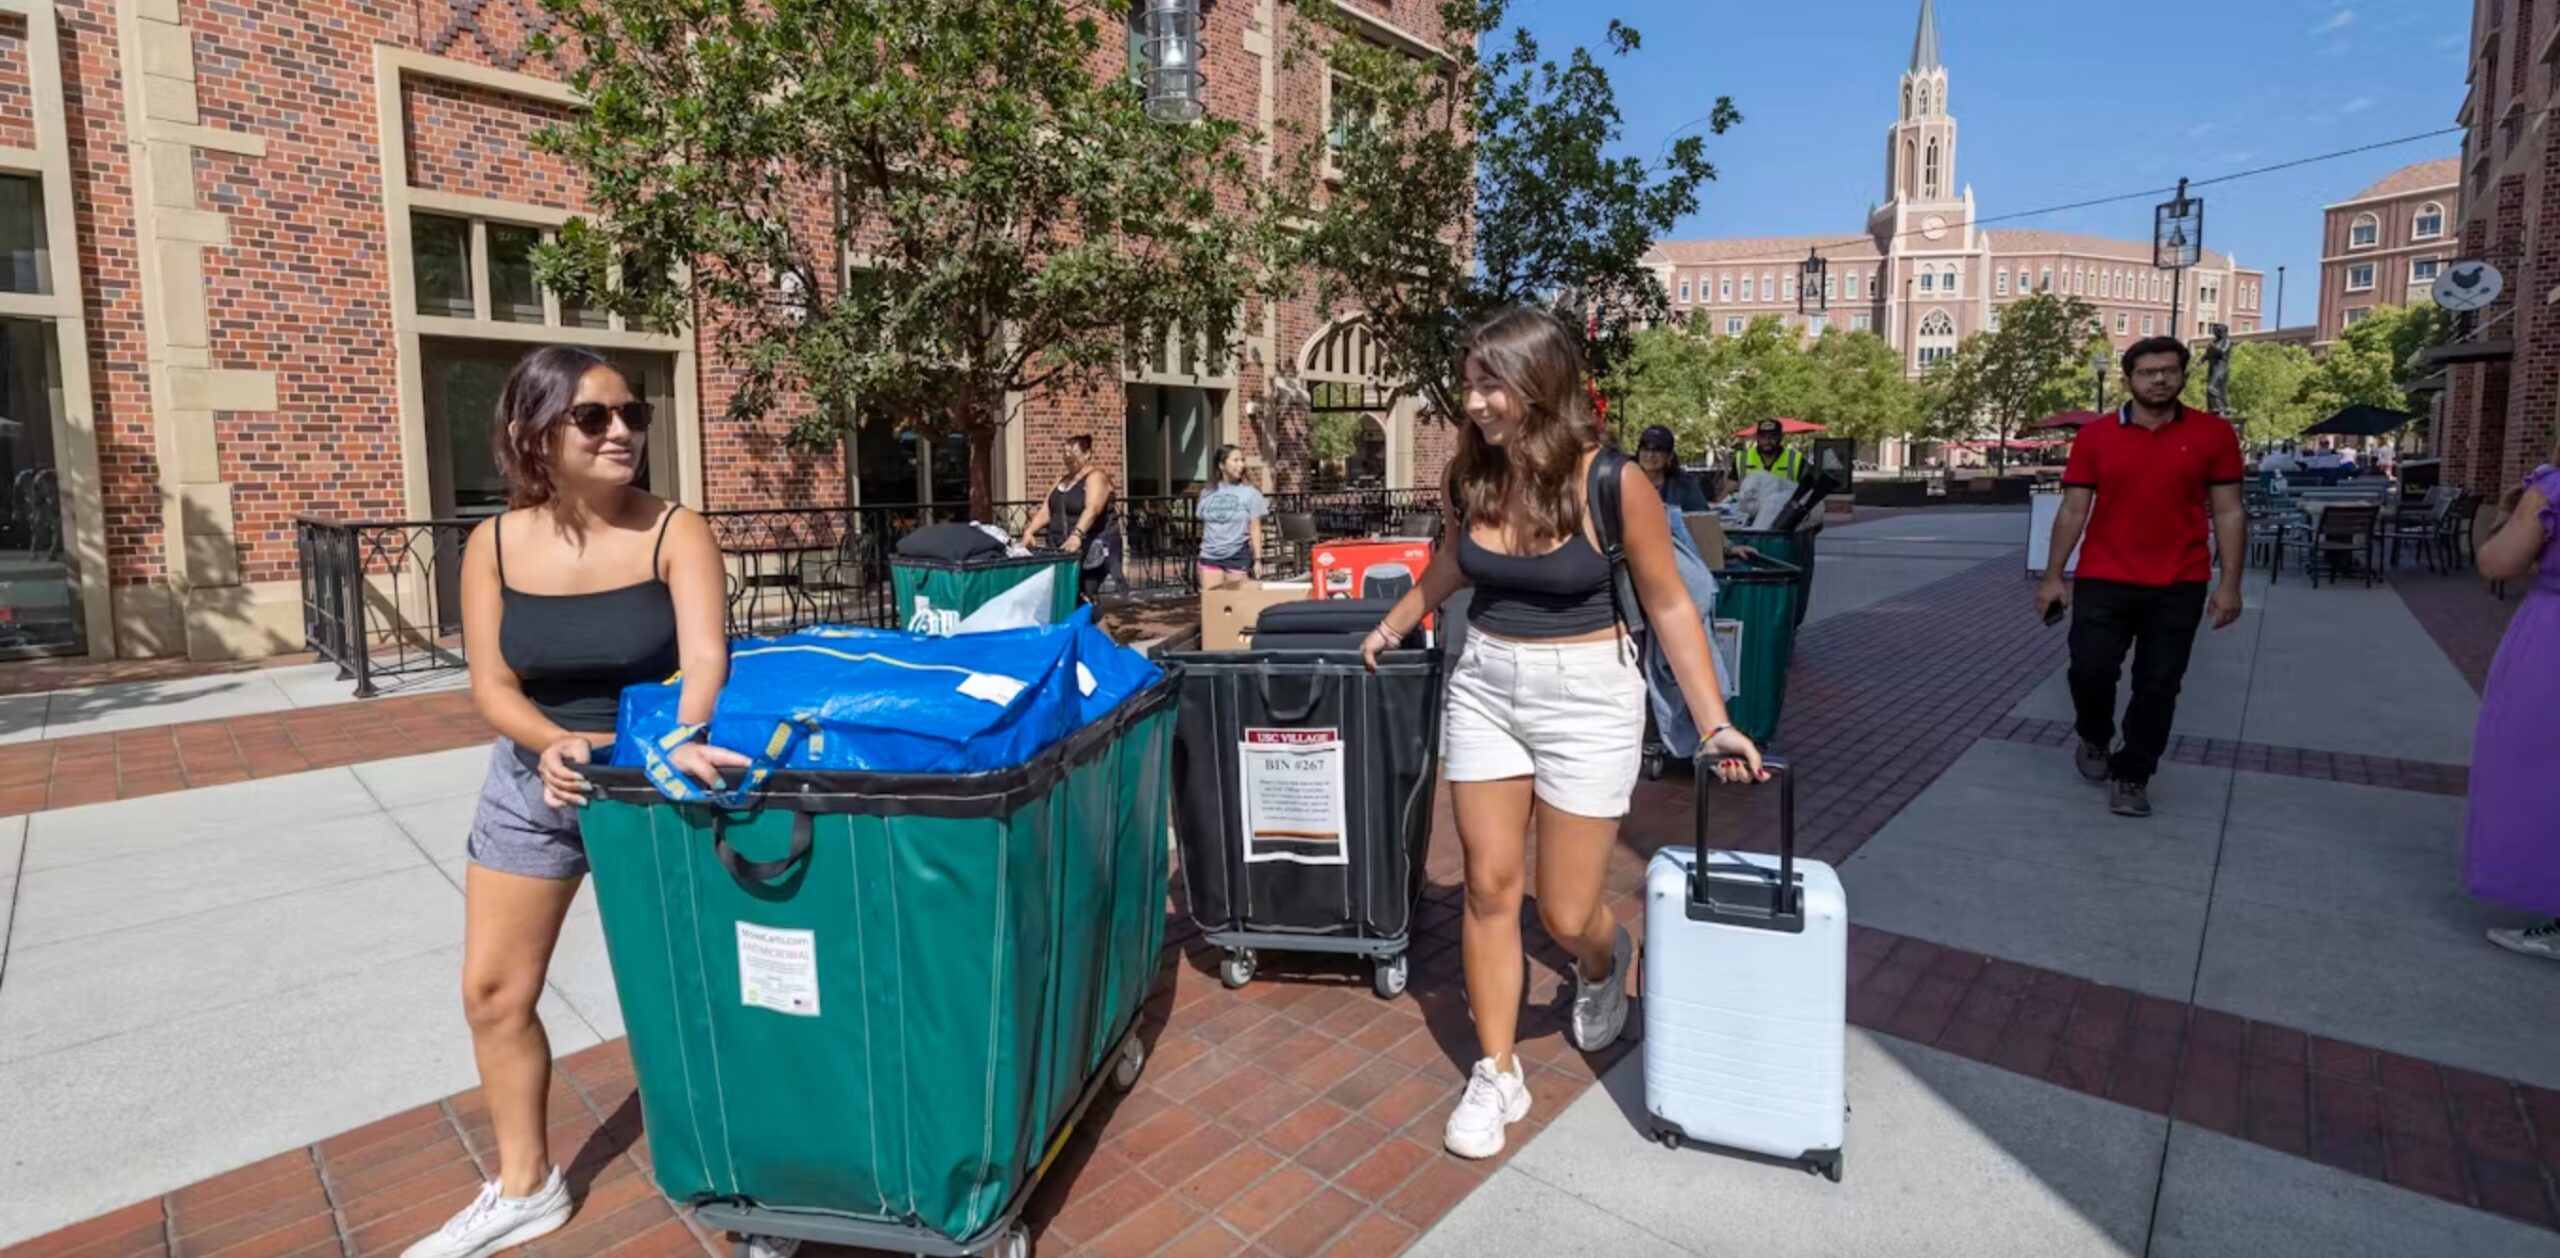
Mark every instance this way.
x=1746 y=996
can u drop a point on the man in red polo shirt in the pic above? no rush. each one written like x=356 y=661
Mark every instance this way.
x=2140 y=484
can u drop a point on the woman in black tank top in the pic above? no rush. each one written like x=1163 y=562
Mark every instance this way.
x=1080 y=517
x=587 y=584
x=1546 y=705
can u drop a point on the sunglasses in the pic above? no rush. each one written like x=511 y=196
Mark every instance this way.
x=595 y=418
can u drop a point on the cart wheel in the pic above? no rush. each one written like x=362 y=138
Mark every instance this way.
x=767 y=1246
x=1387 y=975
x=1829 y=1166
x=1133 y=1058
x=1666 y=1137
x=1015 y=1243
x=1237 y=969
x=1653 y=766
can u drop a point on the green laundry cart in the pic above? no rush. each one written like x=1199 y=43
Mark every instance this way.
x=941 y=596
x=1793 y=546
x=870 y=1008
x=1765 y=595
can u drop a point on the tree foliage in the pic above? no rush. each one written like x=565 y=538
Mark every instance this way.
x=1016 y=218
x=1479 y=177
x=1706 y=387
x=2375 y=360
x=2268 y=391
x=2036 y=364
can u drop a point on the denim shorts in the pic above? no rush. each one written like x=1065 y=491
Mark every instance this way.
x=514 y=831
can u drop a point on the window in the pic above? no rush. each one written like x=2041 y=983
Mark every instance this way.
x=1860 y=322
x=1947 y=281
x=1815 y=325
x=513 y=296
x=1929 y=177
x=1937 y=338
x=1724 y=288
x=1768 y=289
x=1684 y=292
x=2148 y=328
x=1928 y=280
x=1995 y=318
x=2044 y=283
x=2356 y=314
x=1733 y=325
x=2360 y=277
x=1787 y=286
x=2429 y=224
x=1348 y=111
x=2209 y=293
x=440 y=249
x=1830 y=286
x=2423 y=270
x=2365 y=232
x=2122 y=320
x=2000 y=282
x=26 y=266
x=1853 y=286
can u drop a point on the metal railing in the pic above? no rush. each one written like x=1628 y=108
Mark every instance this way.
x=382 y=599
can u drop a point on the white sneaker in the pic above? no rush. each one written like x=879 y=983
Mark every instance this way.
x=1493 y=1101
x=492 y=1223
x=1600 y=1009
x=2533 y=941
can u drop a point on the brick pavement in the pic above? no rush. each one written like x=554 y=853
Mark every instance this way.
x=1300 y=1116
x=2460 y=613
x=2427 y=776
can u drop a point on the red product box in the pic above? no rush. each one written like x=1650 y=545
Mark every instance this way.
x=1345 y=569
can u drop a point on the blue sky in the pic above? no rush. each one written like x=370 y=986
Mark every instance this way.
x=2057 y=100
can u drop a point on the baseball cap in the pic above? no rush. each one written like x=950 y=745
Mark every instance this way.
x=1772 y=428
x=1657 y=437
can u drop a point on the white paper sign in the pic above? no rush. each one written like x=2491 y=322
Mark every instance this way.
x=1293 y=797
x=992 y=688
x=1727 y=643
x=778 y=969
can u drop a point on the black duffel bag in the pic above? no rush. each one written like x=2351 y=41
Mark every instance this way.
x=1322 y=624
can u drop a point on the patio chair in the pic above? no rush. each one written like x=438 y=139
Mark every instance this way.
x=1419 y=524
x=2340 y=541
x=1297 y=541
x=2461 y=532
x=2426 y=533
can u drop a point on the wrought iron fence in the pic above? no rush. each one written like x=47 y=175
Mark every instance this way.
x=383 y=599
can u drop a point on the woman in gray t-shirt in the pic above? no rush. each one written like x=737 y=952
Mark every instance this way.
x=1231 y=514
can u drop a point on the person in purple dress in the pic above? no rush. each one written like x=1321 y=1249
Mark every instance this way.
x=2511 y=851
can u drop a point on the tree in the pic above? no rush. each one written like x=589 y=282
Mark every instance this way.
x=2376 y=360
x=1862 y=390
x=1668 y=377
x=1476 y=177
x=2269 y=382
x=2033 y=366
x=1018 y=220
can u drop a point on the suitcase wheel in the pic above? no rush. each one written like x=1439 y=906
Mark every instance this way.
x=1133 y=1058
x=766 y=1247
x=1827 y=1165
x=1653 y=766
x=1387 y=976
x=1667 y=1137
x=1237 y=969
x=1015 y=1243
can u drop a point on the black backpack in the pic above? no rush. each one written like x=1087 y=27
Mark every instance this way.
x=950 y=543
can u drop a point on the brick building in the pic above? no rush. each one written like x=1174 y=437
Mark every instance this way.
x=2503 y=372
x=268 y=258
x=1923 y=274
x=2384 y=245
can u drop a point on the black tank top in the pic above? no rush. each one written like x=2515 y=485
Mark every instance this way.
x=1564 y=593
x=1066 y=506
x=574 y=653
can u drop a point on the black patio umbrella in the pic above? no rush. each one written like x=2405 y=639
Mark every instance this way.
x=2360 y=420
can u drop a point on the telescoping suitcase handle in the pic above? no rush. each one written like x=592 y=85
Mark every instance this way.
x=1737 y=893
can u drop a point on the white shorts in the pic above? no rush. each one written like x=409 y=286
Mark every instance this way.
x=1568 y=716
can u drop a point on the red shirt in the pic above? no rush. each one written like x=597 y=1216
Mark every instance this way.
x=2150 y=523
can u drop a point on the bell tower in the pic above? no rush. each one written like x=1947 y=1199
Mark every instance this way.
x=1920 y=157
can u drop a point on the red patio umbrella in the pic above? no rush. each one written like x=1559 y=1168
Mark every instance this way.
x=1789 y=426
x=2069 y=419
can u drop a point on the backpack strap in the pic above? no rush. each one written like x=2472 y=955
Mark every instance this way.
x=1604 y=495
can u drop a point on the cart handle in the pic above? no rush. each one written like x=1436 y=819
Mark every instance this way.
x=755 y=873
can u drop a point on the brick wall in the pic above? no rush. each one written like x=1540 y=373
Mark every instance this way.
x=2533 y=400
x=303 y=289
x=128 y=463
x=17 y=107
x=476 y=142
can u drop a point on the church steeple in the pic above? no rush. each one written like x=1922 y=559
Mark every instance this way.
x=1924 y=43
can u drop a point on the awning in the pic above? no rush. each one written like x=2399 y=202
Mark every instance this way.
x=2469 y=352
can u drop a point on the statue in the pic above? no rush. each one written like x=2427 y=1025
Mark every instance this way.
x=2217 y=371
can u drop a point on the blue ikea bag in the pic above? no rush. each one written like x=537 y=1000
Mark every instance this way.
x=868 y=701
x=1107 y=673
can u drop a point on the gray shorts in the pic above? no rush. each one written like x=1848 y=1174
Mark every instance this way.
x=515 y=832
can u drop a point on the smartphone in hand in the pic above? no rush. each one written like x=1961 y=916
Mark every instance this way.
x=2053 y=615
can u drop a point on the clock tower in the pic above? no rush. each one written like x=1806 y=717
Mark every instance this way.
x=1923 y=209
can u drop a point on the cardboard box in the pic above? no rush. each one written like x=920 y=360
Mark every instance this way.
x=1706 y=528
x=1227 y=615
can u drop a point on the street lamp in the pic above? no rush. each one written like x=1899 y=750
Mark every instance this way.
x=1810 y=299
x=2177 y=242
x=2098 y=378
x=1172 y=53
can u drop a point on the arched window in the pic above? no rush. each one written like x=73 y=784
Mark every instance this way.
x=1937 y=337
x=2365 y=232
x=1928 y=280
x=1768 y=288
x=2429 y=223
x=1947 y=279
x=1906 y=102
x=2000 y=282
x=1724 y=288
x=1910 y=160
x=2044 y=283
x=1929 y=177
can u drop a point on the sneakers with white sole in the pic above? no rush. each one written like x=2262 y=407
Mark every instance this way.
x=492 y=1223
x=2533 y=941
x=1600 y=1009
x=1493 y=1101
